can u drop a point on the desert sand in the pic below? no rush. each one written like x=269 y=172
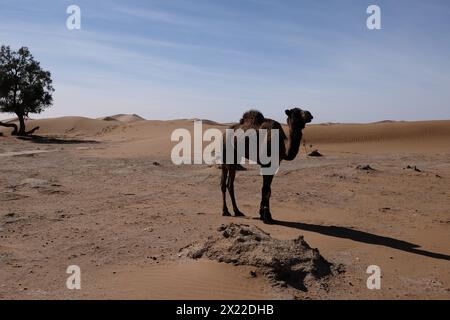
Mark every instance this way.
x=103 y=194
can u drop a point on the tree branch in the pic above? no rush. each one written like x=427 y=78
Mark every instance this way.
x=31 y=131
x=11 y=125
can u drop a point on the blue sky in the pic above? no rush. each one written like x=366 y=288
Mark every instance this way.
x=214 y=59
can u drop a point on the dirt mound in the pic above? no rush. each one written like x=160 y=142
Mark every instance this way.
x=293 y=262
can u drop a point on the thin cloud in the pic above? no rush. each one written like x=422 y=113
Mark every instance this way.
x=156 y=16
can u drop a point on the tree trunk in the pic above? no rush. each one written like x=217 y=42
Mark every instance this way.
x=21 y=125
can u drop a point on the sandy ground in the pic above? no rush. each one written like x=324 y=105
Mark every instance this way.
x=104 y=195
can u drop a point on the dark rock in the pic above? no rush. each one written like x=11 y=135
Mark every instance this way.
x=315 y=153
x=413 y=168
x=365 y=168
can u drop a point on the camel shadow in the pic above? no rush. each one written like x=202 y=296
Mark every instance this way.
x=363 y=237
x=53 y=140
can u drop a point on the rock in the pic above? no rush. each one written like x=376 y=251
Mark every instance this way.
x=35 y=183
x=413 y=168
x=315 y=153
x=365 y=168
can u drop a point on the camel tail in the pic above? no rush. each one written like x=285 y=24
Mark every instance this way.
x=253 y=117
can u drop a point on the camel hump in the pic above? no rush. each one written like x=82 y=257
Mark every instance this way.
x=253 y=117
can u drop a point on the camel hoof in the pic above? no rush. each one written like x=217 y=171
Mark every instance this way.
x=266 y=217
x=239 y=214
x=226 y=214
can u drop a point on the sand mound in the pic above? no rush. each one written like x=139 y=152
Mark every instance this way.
x=293 y=262
x=124 y=118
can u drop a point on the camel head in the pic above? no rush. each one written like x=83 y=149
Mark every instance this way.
x=298 y=117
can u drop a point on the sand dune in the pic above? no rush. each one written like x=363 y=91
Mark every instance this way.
x=378 y=132
x=136 y=126
x=381 y=137
x=124 y=118
x=385 y=136
x=360 y=138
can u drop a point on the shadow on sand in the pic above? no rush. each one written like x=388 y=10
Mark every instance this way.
x=364 y=237
x=53 y=140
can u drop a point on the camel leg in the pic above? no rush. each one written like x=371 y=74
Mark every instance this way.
x=264 y=210
x=232 y=175
x=223 y=187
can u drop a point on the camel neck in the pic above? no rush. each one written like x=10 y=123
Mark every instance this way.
x=293 y=143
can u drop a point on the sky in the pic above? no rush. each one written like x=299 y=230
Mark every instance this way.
x=215 y=59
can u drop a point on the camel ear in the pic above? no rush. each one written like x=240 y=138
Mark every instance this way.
x=288 y=112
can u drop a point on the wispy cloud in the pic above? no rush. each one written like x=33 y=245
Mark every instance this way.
x=212 y=59
x=158 y=16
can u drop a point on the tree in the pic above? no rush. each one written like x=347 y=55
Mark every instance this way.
x=24 y=86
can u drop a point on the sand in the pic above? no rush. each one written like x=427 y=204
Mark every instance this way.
x=123 y=118
x=104 y=195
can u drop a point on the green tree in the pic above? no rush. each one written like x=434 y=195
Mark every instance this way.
x=24 y=86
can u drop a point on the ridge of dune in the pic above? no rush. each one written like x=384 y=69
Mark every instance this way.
x=204 y=121
x=124 y=118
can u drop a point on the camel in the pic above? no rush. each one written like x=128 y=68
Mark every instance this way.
x=289 y=146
